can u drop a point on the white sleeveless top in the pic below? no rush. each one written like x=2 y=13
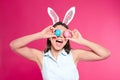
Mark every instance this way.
x=61 y=69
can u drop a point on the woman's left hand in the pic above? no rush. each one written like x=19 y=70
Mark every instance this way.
x=76 y=36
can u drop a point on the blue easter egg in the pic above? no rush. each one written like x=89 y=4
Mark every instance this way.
x=58 y=32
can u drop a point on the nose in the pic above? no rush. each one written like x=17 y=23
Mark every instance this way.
x=61 y=36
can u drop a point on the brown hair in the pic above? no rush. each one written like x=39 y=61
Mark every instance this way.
x=66 y=47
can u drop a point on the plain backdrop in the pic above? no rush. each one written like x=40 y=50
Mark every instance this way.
x=97 y=20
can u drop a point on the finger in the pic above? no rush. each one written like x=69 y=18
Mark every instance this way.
x=50 y=36
x=72 y=32
x=75 y=30
x=51 y=27
x=47 y=28
x=69 y=30
x=69 y=38
x=54 y=29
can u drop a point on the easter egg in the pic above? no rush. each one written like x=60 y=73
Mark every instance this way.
x=67 y=34
x=58 y=32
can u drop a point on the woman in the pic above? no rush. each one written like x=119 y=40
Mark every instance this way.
x=58 y=61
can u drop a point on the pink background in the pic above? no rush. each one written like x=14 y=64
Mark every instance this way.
x=97 y=20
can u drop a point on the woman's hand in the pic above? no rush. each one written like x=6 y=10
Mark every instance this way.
x=96 y=52
x=48 y=32
x=76 y=36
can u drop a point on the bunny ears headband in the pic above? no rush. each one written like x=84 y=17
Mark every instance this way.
x=67 y=18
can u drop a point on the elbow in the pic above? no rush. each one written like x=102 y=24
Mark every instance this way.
x=13 y=45
x=106 y=55
x=109 y=53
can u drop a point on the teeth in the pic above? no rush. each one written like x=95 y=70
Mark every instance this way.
x=59 y=41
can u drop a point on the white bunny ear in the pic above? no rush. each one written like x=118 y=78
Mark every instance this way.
x=69 y=15
x=53 y=15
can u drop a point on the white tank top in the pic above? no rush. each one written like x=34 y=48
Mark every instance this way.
x=63 y=68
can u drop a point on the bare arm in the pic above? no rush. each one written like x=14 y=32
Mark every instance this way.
x=96 y=52
x=20 y=45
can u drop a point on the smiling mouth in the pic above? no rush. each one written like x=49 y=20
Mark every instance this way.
x=59 y=41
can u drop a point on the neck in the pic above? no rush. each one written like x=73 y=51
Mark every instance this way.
x=55 y=52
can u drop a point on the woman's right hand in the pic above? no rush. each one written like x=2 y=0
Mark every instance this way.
x=48 y=32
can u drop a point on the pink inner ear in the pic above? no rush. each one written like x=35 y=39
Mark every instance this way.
x=54 y=16
x=68 y=17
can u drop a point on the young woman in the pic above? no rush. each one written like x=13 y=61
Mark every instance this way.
x=58 y=61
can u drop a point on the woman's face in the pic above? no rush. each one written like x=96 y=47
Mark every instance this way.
x=58 y=43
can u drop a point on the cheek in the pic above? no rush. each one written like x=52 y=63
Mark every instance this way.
x=52 y=40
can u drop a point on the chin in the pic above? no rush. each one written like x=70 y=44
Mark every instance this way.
x=58 y=48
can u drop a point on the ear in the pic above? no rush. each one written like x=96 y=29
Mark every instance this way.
x=53 y=15
x=69 y=15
